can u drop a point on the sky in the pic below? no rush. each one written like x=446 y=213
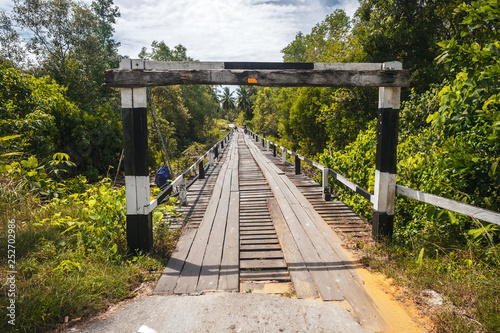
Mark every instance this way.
x=218 y=30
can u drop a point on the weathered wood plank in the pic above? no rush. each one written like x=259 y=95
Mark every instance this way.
x=259 y=231
x=171 y=273
x=261 y=254
x=280 y=275
x=189 y=275
x=229 y=275
x=327 y=242
x=130 y=78
x=258 y=241
x=261 y=264
x=168 y=280
x=209 y=275
x=301 y=278
x=251 y=65
x=244 y=237
x=259 y=227
x=454 y=206
x=324 y=282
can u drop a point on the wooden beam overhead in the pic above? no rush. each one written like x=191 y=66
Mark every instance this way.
x=258 y=74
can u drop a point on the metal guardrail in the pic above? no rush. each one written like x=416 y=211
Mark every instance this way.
x=180 y=181
x=451 y=205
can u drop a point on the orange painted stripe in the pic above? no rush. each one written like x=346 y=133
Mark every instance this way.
x=252 y=80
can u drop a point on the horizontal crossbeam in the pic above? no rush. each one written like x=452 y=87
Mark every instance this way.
x=258 y=74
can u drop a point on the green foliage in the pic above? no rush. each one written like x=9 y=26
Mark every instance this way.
x=162 y=52
x=265 y=110
x=356 y=163
x=73 y=44
x=327 y=42
x=468 y=287
x=38 y=111
x=228 y=104
x=202 y=108
x=244 y=101
x=71 y=254
x=407 y=31
x=11 y=50
x=185 y=113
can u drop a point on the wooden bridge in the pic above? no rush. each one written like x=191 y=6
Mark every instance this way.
x=252 y=217
x=264 y=223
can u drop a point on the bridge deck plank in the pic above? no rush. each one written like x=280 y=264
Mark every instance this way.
x=263 y=222
x=339 y=264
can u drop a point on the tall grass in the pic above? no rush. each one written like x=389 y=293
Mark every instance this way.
x=70 y=248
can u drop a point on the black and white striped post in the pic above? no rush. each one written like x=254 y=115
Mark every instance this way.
x=385 y=161
x=135 y=145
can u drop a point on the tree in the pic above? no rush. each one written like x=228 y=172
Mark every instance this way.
x=107 y=15
x=72 y=44
x=187 y=108
x=162 y=52
x=244 y=102
x=406 y=31
x=327 y=42
x=265 y=118
x=11 y=50
x=228 y=103
x=296 y=51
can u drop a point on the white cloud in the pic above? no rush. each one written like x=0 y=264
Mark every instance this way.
x=218 y=30
x=232 y=30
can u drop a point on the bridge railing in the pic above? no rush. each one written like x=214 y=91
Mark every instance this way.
x=452 y=205
x=179 y=183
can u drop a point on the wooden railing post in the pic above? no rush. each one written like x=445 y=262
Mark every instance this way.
x=385 y=161
x=201 y=170
x=267 y=143
x=135 y=145
x=283 y=155
x=274 y=150
x=327 y=194
x=183 y=191
x=211 y=158
x=297 y=164
x=256 y=138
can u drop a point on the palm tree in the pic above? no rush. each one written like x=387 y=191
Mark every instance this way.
x=244 y=103
x=227 y=101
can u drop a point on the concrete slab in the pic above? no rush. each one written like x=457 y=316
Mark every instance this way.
x=226 y=312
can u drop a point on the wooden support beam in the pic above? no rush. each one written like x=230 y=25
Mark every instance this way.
x=130 y=78
x=135 y=145
x=385 y=161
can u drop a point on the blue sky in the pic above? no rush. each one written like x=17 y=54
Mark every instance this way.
x=218 y=30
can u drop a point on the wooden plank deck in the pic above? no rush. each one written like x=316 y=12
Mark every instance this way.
x=261 y=259
x=321 y=234
x=263 y=223
x=200 y=247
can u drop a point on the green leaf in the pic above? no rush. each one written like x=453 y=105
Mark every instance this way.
x=31 y=162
